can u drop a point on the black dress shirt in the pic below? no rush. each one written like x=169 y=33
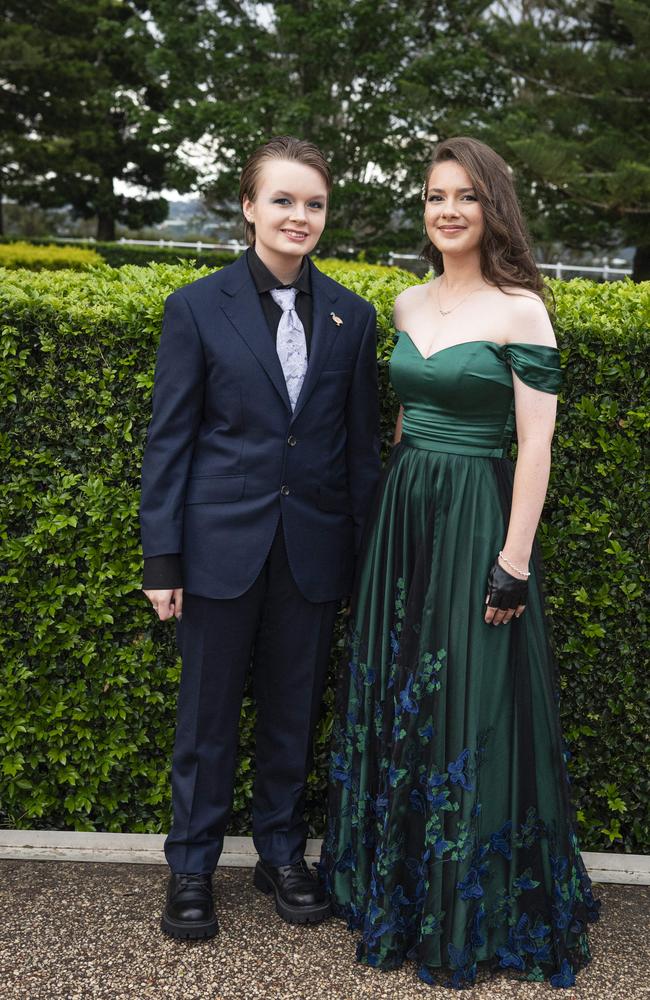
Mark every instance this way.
x=264 y=280
x=164 y=572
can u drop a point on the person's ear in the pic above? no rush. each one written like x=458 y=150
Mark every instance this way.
x=248 y=208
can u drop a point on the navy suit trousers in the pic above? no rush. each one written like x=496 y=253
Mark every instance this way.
x=287 y=639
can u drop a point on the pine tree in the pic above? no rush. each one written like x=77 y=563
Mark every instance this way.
x=82 y=106
x=578 y=127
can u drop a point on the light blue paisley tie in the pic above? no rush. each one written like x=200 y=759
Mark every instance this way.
x=291 y=344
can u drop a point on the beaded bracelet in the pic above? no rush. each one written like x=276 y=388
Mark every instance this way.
x=522 y=572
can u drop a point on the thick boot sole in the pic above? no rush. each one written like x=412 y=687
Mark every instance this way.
x=292 y=914
x=189 y=930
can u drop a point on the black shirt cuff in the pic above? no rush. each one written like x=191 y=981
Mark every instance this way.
x=162 y=572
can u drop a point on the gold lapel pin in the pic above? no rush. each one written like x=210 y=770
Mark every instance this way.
x=337 y=319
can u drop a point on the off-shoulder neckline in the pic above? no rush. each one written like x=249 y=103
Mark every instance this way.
x=464 y=343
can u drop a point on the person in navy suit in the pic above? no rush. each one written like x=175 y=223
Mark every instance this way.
x=261 y=461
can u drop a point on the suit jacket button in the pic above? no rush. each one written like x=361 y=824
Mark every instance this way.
x=285 y=491
x=292 y=441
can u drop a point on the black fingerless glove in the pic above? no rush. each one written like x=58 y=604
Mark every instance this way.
x=505 y=591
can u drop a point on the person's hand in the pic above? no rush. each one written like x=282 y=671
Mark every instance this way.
x=167 y=603
x=506 y=596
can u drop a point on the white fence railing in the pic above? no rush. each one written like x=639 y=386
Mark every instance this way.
x=233 y=245
x=558 y=269
x=606 y=270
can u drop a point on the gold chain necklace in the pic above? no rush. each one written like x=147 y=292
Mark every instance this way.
x=445 y=312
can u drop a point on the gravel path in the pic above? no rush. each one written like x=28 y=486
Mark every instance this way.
x=73 y=931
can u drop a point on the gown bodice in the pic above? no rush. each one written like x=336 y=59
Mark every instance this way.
x=460 y=399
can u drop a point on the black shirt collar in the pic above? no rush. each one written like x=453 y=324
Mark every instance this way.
x=265 y=280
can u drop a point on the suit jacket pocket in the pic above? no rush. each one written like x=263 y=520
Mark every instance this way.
x=338 y=364
x=214 y=489
x=337 y=501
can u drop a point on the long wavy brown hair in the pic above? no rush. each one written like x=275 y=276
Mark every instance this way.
x=506 y=255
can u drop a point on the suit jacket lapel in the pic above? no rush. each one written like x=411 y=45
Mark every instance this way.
x=241 y=304
x=324 y=333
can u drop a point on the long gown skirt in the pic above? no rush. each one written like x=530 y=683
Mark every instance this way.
x=449 y=837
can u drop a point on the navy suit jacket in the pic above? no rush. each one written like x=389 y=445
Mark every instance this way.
x=225 y=456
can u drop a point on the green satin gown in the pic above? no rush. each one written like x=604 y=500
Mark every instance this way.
x=450 y=839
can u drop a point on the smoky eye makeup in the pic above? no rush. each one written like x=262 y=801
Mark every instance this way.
x=315 y=204
x=285 y=196
x=437 y=195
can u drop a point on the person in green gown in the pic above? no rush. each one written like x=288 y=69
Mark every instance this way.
x=450 y=838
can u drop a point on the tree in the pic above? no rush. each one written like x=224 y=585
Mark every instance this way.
x=557 y=88
x=96 y=92
x=360 y=78
x=18 y=105
x=577 y=127
x=82 y=106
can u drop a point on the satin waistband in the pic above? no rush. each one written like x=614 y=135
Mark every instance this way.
x=449 y=448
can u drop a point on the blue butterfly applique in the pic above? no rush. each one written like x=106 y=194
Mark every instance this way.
x=461 y=963
x=398 y=898
x=380 y=805
x=540 y=929
x=418 y=870
x=470 y=887
x=509 y=960
x=524 y=881
x=395 y=775
x=340 y=769
x=441 y=845
x=407 y=701
x=542 y=954
x=438 y=801
x=558 y=868
x=425 y=976
x=565 y=977
x=476 y=936
x=416 y=800
x=425 y=732
x=500 y=841
x=456 y=770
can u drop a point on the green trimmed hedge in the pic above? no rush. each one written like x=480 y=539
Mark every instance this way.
x=117 y=254
x=48 y=257
x=89 y=676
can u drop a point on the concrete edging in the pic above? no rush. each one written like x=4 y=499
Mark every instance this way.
x=238 y=852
